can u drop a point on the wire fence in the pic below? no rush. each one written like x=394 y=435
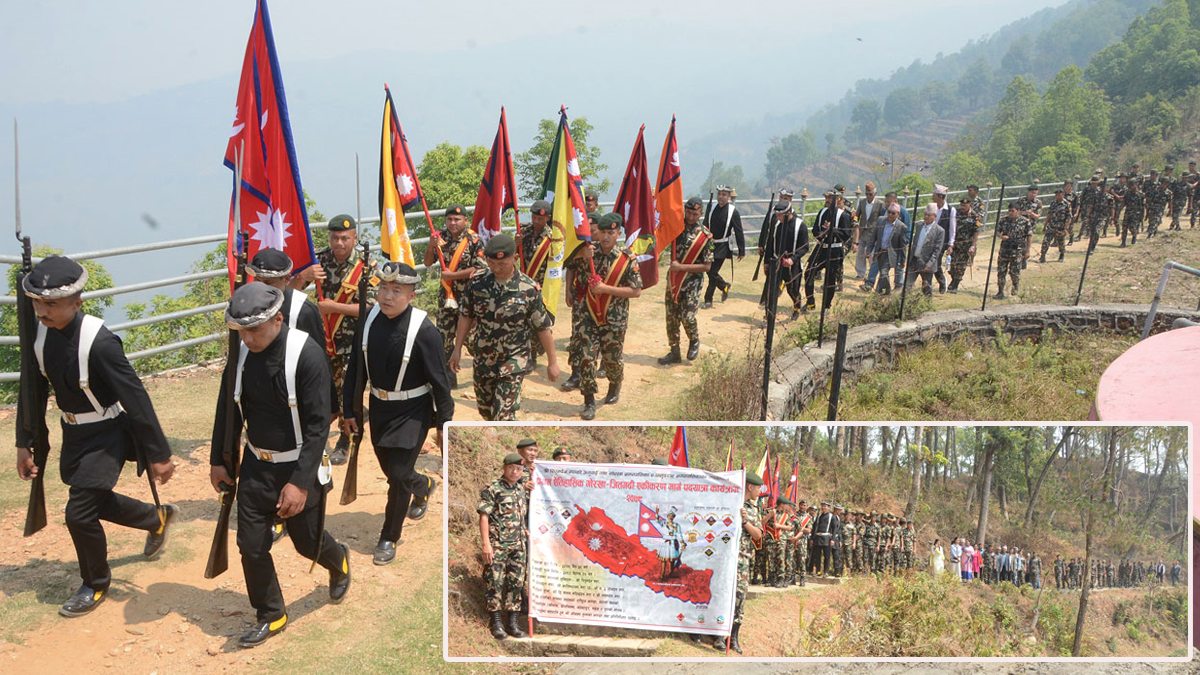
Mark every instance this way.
x=753 y=211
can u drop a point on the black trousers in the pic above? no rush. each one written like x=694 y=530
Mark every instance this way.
x=721 y=253
x=404 y=483
x=822 y=562
x=258 y=492
x=832 y=277
x=85 y=509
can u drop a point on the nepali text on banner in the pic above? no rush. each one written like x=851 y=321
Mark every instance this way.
x=634 y=546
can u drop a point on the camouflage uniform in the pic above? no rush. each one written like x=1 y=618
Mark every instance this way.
x=847 y=556
x=1057 y=218
x=1027 y=204
x=1072 y=575
x=1112 y=576
x=1092 y=212
x=977 y=208
x=883 y=557
x=1180 y=188
x=504 y=505
x=1157 y=198
x=793 y=562
x=447 y=318
x=987 y=566
x=908 y=540
x=506 y=315
x=684 y=311
x=1195 y=192
x=745 y=557
x=1135 y=209
x=1072 y=200
x=856 y=554
x=762 y=555
x=870 y=539
x=1012 y=251
x=1117 y=192
x=530 y=241
x=964 y=237
x=608 y=339
x=343 y=338
x=778 y=553
x=1035 y=571
x=1058 y=574
x=897 y=549
x=802 y=552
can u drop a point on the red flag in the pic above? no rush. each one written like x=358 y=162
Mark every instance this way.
x=498 y=189
x=635 y=203
x=272 y=200
x=668 y=195
x=647 y=520
x=729 y=457
x=399 y=188
x=679 y=449
x=793 y=489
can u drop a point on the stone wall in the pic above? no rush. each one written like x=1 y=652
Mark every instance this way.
x=800 y=374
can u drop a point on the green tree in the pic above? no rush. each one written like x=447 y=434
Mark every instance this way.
x=903 y=108
x=1060 y=161
x=449 y=175
x=976 y=83
x=718 y=174
x=1019 y=58
x=864 y=121
x=10 y=355
x=1145 y=120
x=914 y=182
x=1003 y=156
x=790 y=154
x=961 y=169
x=531 y=164
x=1070 y=108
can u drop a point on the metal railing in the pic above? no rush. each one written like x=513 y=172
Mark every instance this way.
x=808 y=206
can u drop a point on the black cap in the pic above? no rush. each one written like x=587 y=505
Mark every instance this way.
x=398 y=272
x=270 y=263
x=500 y=247
x=513 y=458
x=1012 y=206
x=55 y=277
x=784 y=192
x=610 y=221
x=782 y=207
x=972 y=186
x=252 y=305
x=693 y=203
x=456 y=210
x=525 y=443
x=341 y=223
x=540 y=208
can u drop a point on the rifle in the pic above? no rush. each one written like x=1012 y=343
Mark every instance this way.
x=218 y=553
x=766 y=223
x=34 y=389
x=350 y=484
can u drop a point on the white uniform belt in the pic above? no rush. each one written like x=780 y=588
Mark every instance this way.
x=109 y=413
x=721 y=241
x=837 y=245
x=385 y=395
x=274 y=456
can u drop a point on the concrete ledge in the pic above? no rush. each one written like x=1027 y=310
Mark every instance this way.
x=800 y=374
x=582 y=645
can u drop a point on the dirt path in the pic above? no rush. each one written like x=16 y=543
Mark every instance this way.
x=164 y=616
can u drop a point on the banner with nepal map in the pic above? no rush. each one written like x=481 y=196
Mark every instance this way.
x=634 y=546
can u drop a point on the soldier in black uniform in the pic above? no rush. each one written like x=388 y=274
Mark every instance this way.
x=725 y=223
x=107 y=419
x=831 y=230
x=410 y=392
x=791 y=245
x=283 y=471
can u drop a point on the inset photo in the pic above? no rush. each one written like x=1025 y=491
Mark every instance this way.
x=717 y=540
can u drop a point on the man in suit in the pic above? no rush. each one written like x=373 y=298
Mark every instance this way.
x=886 y=248
x=867 y=213
x=947 y=219
x=926 y=250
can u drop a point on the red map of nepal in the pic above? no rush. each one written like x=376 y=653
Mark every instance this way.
x=605 y=543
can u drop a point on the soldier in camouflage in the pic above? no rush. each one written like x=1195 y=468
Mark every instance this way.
x=966 y=235
x=1058 y=572
x=751 y=532
x=870 y=542
x=856 y=551
x=1117 y=192
x=504 y=308
x=978 y=207
x=987 y=565
x=1180 y=188
x=534 y=240
x=577 y=272
x=762 y=557
x=334 y=270
x=605 y=317
x=1035 y=569
x=1135 y=210
x=1158 y=196
x=1016 y=234
x=1092 y=212
x=1072 y=199
x=804 y=536
x=462 y=251
x=502 y=508
x=1058 y=218
x=849 y=536
x=683 y=310
x=1193 y=181
x=908 y=539
x=780 y=544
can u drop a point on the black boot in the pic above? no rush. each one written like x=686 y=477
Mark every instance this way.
x=83 y=602
x=514 y=627
x=601 y=374
x=693 y=350
x=157 y=539
x=341 y=452
x=498 y=626
x=589 y=407
x=733 y=639
x=801 y=581
x=614 y=394
x=1042 y=259
x=673 y=357
x=419 y=505
x=572 y=382
x=261 y=631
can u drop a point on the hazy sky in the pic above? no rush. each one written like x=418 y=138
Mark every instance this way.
x=83 y=50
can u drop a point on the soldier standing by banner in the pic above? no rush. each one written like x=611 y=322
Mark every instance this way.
x=504 y=308
x=691 y=255
x=410 y=393
x=503 y=504
x=605 y=317
x=725 y=224
x=338 y=271
x=284 y=407
x=751 y=533
x=462 y=252
x=535 y=255
x=107 y=419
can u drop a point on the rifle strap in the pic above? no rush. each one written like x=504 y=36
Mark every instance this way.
x=89 y=328
x=414 y=325
x=298 y=300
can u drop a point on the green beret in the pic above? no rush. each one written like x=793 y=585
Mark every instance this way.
x=839 y=188
x=500 y=247
x=456 y=210
x=610 y=221
x=659 y=461
x=1169 y=167
x=593 y=218
x=784 y=500
x=753 y=479
x=560 y=451
x=692 y=203
x=341 y=223
x=525 y=443
x=540 y=208
x=902 y=521
x=513 y=458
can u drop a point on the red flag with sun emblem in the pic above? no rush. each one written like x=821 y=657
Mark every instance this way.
x=398 y=186
x=497 y=188
x=635 y=203
x=271 y=200
x=647 y=520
